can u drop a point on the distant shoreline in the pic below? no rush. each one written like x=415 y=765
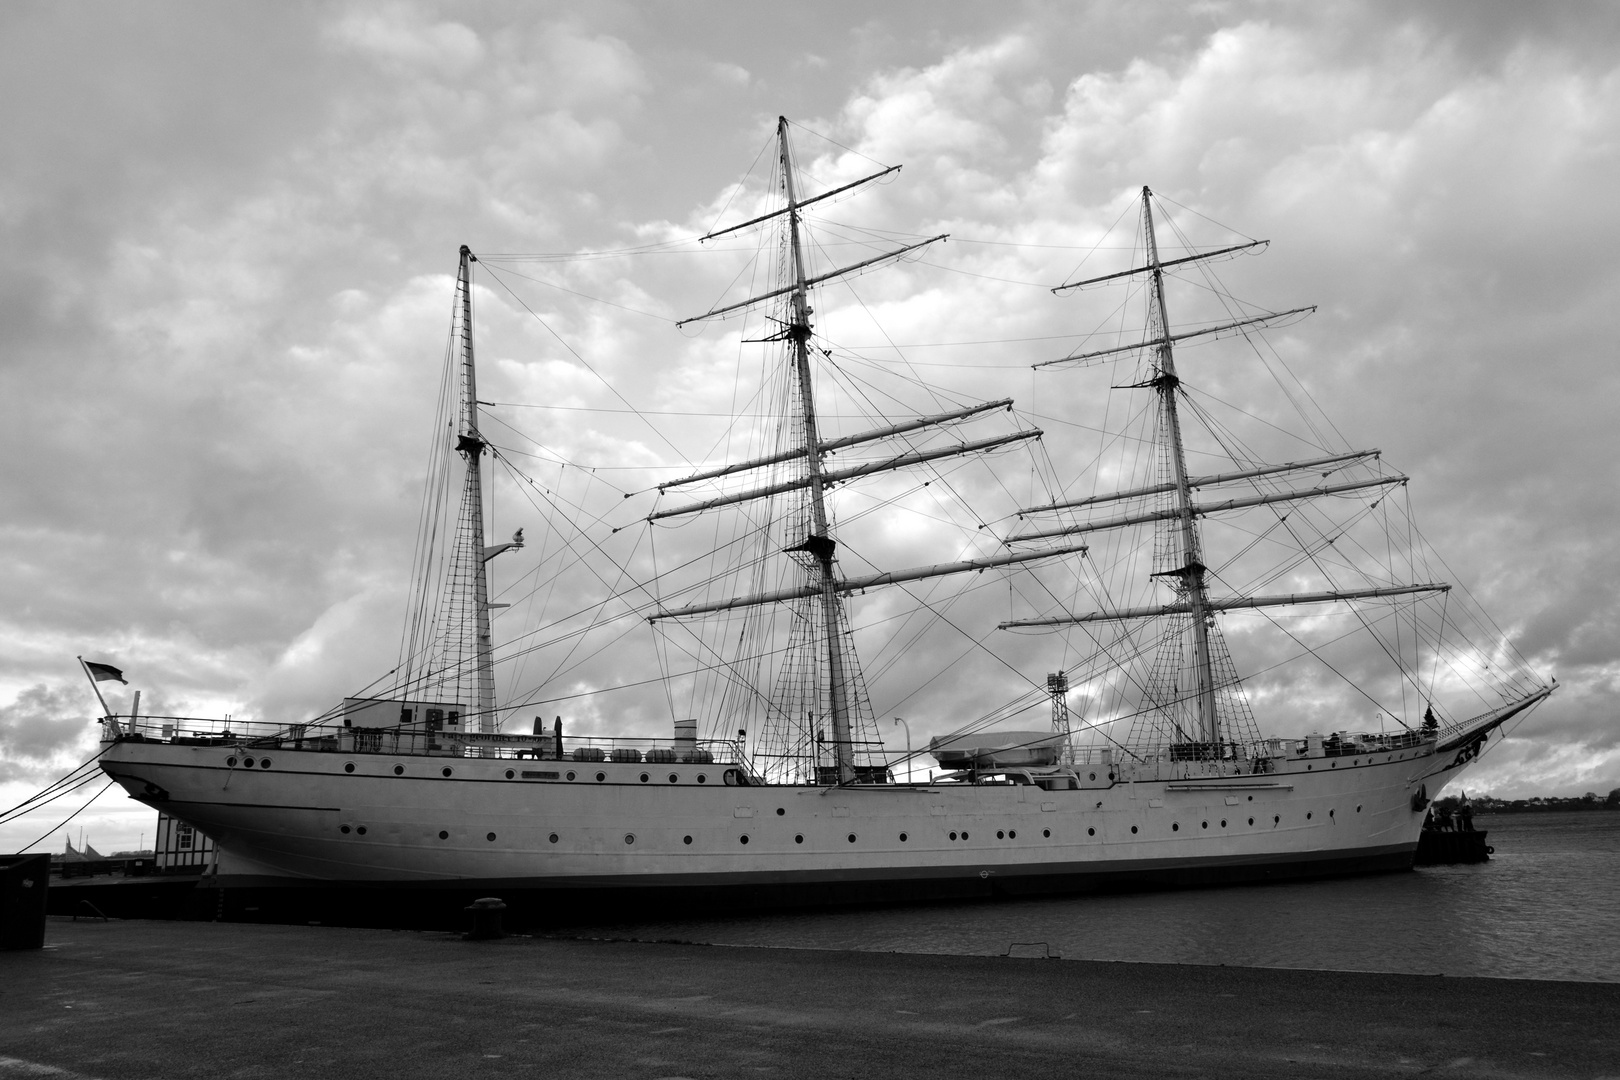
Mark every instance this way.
x=1575 y=806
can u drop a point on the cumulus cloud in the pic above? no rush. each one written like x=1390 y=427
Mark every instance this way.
x=40 y=730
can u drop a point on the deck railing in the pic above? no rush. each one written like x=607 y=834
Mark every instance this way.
x=416 y=740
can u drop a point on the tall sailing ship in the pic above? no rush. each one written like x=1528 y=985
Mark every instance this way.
x=1151 y=768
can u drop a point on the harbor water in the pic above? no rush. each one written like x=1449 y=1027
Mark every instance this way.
x=1542 y=908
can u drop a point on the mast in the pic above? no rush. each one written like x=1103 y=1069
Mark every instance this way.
x=821 y=585
x=1191 y=570
x=819 y=544
x=470 y=445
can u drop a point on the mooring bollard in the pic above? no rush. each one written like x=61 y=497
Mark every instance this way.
x=486 y=919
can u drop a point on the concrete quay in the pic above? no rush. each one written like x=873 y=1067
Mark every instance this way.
x=183 y=999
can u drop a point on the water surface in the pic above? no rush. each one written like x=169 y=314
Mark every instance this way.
x=1544 y=907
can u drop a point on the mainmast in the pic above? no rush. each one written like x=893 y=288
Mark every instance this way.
x=819 y=544
x=1191 y=569
x=822 y=584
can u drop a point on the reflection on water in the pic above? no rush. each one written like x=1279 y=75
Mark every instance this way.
x=1542 y=908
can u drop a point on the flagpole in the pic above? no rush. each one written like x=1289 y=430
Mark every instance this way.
x=105 y=712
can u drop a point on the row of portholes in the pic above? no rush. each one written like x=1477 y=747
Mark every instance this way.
x=1357 y=761
x=1276 y=819
x=1010 y=834
x=630 y=838
x=399 y=770
x=247 y=763
x=360 y=830
x=601 y=777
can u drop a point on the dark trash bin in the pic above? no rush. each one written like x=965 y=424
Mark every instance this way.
x=23 y=881
x=486 y=919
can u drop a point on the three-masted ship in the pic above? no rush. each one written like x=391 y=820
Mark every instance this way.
x=422 y=785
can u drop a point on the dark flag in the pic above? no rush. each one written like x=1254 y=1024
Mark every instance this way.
x=103 y=672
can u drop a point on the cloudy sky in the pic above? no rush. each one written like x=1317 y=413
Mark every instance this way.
x=233 y=228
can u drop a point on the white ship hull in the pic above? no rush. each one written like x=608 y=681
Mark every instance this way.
x=655 y=833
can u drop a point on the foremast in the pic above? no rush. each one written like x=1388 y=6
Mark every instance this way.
x=1183 y=563
x=1190 y=572
x=819 y=544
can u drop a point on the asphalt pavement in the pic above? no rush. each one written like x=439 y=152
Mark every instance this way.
x=187 y=999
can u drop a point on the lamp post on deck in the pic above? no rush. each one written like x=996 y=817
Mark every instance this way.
x=907 y=726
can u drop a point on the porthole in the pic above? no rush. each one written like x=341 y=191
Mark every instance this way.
x=230 y=762
x=1110 y=776
x=686 y=839
x=1276 y=819
x=572 y=775
x=780 y=811
x=601 y=776
x=1204 y=825
x=247 y=762
x=1133 y=828
x=852 y=838
x=344 y=829
x=490 y=837
x=1090 y=832
x=447 y=770
x=509 y=773
x=645 y=778
x=553 y=838
x=264 y=763
x=1175 y=826
x=361 y=829
x=1333 y=764
x=674 y=778
x=1012 y=834
x=399 y=770
x=443 y=835
x=1000 y=835
x=1308 y=768
x=953 y=836
x=799 y=839
x=964 y=834
x=1047 y=833
x=1223 y=823
x=702 y=779
x=1251 y=798
x=1357 y=761
x=629 y=837
x=1094 y=776
x=902 y=838
x=348 y=766
x=1332 y=813
x=1251 y=821
x=743 y=838
x=1307 y=815
x=1358 y=808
